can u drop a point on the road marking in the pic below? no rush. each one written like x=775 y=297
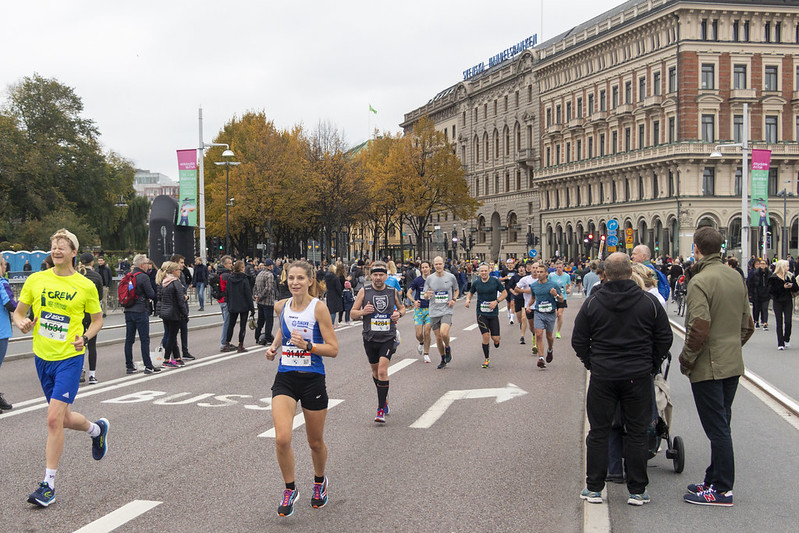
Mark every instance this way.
x=117 y=518
x=396 y=367
x=469 y=328
x=442 y=404
x=299 y=420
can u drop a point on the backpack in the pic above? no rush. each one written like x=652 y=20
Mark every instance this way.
x=215 y=283
x=126 y=292
x=663 y=284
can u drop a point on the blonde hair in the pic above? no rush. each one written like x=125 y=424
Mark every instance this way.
x=64 y=234
x=391 y=267
x=646 y=274
x=315 y=290
x=636 y=277
x=332 y=269
x=167 y=268
x=781 y=270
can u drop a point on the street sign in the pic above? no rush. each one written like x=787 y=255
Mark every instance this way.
x=612 y=240
x=629 y=232
x=613 y=225
x=442 y=404
x=629 y=241
x=611 y=249
x=532 y=253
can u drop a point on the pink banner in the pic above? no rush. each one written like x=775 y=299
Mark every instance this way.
x=761 y=159
x=187 y=159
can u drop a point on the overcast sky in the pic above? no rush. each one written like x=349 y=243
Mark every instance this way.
x=144 y=68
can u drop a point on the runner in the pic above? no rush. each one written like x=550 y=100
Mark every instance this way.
x=523 y=289
x=380 y=306
x=421 y=311
x=441 y=289
x=59 y=297
x=516 y=301
x=564 y=282
x=487 y=289
x=506 y=272
x=546 y=295
x=305 y=336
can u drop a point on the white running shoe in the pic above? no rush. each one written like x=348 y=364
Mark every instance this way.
x=510 y=317
x=426 y=358
x=787 y=344
x=420 y=349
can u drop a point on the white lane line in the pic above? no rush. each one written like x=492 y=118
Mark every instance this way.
x=299 y=420
x=121 y=516
x=130 y=380
x=469 y=328
x=396 y=367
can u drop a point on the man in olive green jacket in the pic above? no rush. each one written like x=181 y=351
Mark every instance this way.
x=718 y=323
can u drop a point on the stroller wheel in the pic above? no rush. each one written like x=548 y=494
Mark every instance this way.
x=679 y=455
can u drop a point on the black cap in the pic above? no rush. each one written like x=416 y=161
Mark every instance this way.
x=86 y=258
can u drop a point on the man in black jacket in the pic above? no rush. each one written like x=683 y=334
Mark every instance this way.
x=200 y=280
x=137 y=316
x=105 y=274
x=621 y=335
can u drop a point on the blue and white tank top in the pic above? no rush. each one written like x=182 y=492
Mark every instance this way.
x=296 y=358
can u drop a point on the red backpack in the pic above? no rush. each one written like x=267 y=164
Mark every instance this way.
x=127 y=290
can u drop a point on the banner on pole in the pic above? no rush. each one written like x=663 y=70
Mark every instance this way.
x=761 y=160
x=187 y=199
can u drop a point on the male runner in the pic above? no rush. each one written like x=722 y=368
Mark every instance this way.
x=441 y=289
x=421 y=311
x=546 y=295
x=59 y=297
x=564 y=281
x=489 y=293
x=380 y=306
x=523 y=289
x=516 y=301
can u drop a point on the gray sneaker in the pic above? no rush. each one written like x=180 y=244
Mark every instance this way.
x=639 y=499
x=590 y=496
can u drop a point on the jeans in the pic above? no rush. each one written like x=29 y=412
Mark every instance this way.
x=200 y=287
x=760 y=311
x=137 y=321
x=265 y=322
x=3 y=349
x=713 y=399
x=782 y=313
x=225 y=320
x=635 y=396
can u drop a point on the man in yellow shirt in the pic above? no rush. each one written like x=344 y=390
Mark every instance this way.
x=59 y=297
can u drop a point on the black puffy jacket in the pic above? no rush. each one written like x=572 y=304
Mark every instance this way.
x=172 y=301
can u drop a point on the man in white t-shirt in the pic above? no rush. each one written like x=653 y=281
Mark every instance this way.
x=523 y=288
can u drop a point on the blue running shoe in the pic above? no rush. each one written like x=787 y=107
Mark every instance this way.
x=100 y=442
x=447 y=355
x=381 y=416
x=319 y=498
x=591 y=496
x=639 y=499
x=43 y=496
x=710 y=496
x=386 y=410
x=287 y=505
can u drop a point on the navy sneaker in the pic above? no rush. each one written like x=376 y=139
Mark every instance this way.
x=549 y=355
x=386 y=409
x=100 y=442
x=287 y=505
x=697 y=488
x=710 y=496
x=443 y=362
x=43 y=496
x=319 y=498
x=447 y=355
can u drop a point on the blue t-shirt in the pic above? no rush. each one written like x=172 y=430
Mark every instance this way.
x=5 y=318
x=544 y=301
x=418 y=289
x=562 y=280
x=391 y=281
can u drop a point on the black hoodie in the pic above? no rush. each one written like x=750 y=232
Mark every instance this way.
x=621 y=331
x=238 y=293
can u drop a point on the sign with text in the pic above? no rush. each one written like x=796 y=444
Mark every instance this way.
x=187 y=199
x=761 y=161
x=496 y=59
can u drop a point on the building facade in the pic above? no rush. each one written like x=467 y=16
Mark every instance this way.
x=616 y=119
x=151 y=184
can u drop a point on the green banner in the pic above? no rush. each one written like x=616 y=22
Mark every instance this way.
x=761 y=160
x=187 y=199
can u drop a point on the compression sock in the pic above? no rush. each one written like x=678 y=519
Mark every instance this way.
x=485 y=350
x=382 y=393
x=377 y=384
x=318 y=479
x=49 y=477
x=94 y=430
x=291 y=486
x=496 y=345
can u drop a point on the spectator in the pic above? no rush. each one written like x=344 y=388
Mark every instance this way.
x=758 y=287
x=621 y=365
x=85 y=268
x=105 y=274
x=199 y=281
x=238 y=297
x=223 y=272
x=265 y=292
x=334 y=298
x=717 y=325
x=173 y=310
x=782 y=288
x=137 y=316
x=27 y=266
x=591 y=278
x=8 y=301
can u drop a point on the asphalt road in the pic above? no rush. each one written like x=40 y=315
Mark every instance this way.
x=195 y=443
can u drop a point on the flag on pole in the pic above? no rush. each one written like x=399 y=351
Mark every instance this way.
x=372 y=109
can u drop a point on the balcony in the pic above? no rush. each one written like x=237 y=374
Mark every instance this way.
x=554 y=128
x=654 y=100
x=743 y=95
x=575 y=123
x=624 y=109
x=599 y=116
x=526 y=156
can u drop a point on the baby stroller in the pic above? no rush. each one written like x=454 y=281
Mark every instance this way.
x=679 y=295
x=659 y=428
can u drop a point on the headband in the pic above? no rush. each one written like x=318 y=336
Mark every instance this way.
x=379 y=270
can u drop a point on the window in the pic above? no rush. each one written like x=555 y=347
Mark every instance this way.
x=796 y=82
x=672 y=79
x=485 y=111
x=655 y=186
x=671 y=184
x=475 y=114
x=518 y=180
x=613 y=191
x=738 y=128
x=506 y=103
x=579 y=108
x=590 y=195
x=601 y=193
x=529 y=136
x=557 y=114
x=714 y=30
x=672 y=130
x=507 y=141
x=568 y=152
x=709 y=181
x=549 y=117
x=579 y=202
x=796 y=137
x=591 y=97
x=549 y=156
x=591 y=141
x=745 y=32
x=529 y=94
x=477 y=187
x=627 y=191
x=495 y=108
x=579 y=154
x=703 y=30
x=641 y=142
x=735 y=33
x=628 y=92
x=557 y=154
x=737 y=184
x=771 y=78
x=641 y=89
x=627 y=139
x=517 y=98
x=773 y=180
x=602 y=144
x=739 y=77
x=640 y=187
x=771 y=129
x=656 y=132
x=708 y=130
x=615 y=146
x=778 y=32
x=767 y=32
x=602 y=101
x=568 y=111
x=615 y=97
x=656 y=83
x=708 y=71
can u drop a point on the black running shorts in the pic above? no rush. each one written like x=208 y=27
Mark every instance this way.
x=561 y=305
x=308 y=388
x=488 y=324
x=376 y=350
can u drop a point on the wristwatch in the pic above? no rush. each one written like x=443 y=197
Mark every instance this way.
x=85 y=340
x=309 y=347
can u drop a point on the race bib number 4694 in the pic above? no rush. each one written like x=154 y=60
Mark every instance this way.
x=53 y=326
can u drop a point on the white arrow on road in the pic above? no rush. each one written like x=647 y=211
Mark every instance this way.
x=442 y=404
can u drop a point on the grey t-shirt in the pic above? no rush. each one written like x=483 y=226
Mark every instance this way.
x=443 y=288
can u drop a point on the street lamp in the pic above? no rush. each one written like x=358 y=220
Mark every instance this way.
x=228 y=200
x=201 y=193
x=785 y=193
x=744 y=146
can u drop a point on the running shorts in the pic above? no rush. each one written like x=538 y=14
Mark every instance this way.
x=308 y=388
x=376 y=350
x=545 y=321
x=436 y=321
x=488 y=324
x=60 y=379
x=561 y=305
x=421 y=316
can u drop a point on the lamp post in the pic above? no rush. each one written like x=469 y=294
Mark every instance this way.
x=228 y=200
x=785 y=193
x=744 y=146
x=201 y=192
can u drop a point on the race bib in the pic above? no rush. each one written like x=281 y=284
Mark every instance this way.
x=545 y=307
x=441 y=297
x=381 y=323
x=293 y=356
x=53 y=326
x=485 y=307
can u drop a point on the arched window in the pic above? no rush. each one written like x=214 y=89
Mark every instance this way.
x=640 y=187
x=507 y=141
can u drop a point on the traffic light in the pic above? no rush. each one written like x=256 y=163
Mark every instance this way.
x=602 y=237
x=529 y=239
x=536 y=240
x=657 y=246
x=471 y=242
x=590 y=240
